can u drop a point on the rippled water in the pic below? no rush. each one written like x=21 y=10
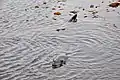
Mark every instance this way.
x=29 y=41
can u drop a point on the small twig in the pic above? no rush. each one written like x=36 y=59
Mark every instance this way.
x=73 y=19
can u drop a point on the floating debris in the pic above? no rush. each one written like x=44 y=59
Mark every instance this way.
x=96 y=6
x=54 y=18
x=57 y=29
x=83 y=9
x=63 y=29
x=46 y=16
x=27 y=20
x=58 y=64
x=53 y=9
x=59 y=6
x=85 y=16
x=107 y=10
x=114 y=5
x=114 y=25
x=36 y=6
x=46 y=7
x=59 y=61
x=73 y=19
x=60 y=29
x=57 y=13
x=118 y=13
x=93 y=11
x=61 y=0
x=91 y=6
x=95 y=16
x=25 y=9
x=74 y=12
x=44 y=3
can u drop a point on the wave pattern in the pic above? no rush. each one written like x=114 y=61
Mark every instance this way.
x=28 y=49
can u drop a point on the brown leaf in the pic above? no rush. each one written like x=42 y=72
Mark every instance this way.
x=57 y=13
x=114 y=5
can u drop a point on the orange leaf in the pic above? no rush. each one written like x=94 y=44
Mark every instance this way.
x=57 y=13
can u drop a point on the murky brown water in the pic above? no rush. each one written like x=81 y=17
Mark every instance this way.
x=29 y=41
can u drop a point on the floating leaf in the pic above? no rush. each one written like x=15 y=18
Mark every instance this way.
x=114 y=5
x=57 y=13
